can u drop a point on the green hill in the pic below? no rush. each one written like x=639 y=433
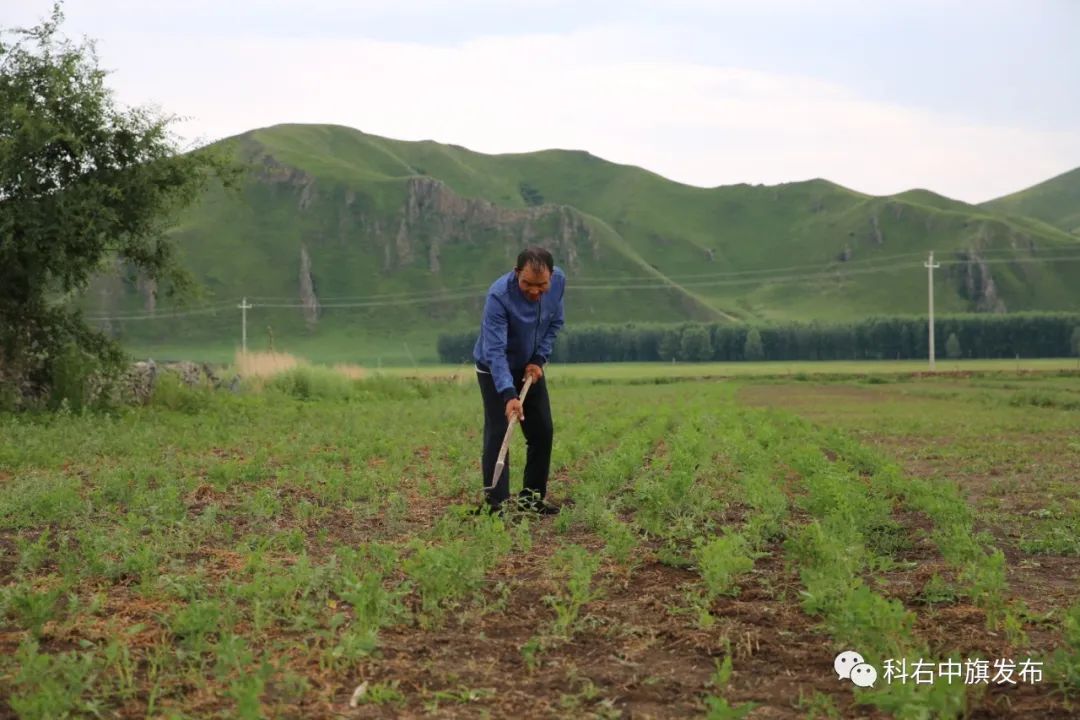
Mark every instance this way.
x=1055 y=201
x=356 y=246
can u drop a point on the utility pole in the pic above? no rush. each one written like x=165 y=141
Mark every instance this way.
x=930 y=265
x=244 y=307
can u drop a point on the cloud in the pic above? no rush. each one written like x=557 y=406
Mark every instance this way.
x=592 y=89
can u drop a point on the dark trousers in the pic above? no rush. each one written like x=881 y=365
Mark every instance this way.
x=538 y=436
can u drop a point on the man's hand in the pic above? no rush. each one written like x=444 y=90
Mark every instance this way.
x=535 y=372
x=514 y=409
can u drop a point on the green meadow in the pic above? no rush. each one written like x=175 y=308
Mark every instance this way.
x=628 y=371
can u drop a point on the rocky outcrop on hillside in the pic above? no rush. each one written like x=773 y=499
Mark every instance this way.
x=307 y=290
x=277 y=173
x=973 y=275
x=879 y=237
x=433 y=216
x=976 y=282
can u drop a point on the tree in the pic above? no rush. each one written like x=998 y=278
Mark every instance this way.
x=753 y=349
x=668 y=349
x=696 y=345
x=530 y=194
x=81 y=182
x=1074 y=342
x=952 y=347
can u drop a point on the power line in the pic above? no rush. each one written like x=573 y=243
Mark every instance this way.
x=438 y=294
x=747 y=277
x=739 y=273
x=165 y=315
x=383 y=296
x=992 y=261
x=751 y=280
x=838 y=273
x=659 y=280
x=377 y=303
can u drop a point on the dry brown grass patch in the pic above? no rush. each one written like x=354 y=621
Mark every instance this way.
x=265 y=365
x=353 y=372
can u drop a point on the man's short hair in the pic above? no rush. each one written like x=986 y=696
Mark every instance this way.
x=536 y=256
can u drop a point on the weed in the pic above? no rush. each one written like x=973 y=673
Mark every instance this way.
x=574 y=567
x=51 y=685
x=247 y=691
x=818 y=706
x=193 y=623
x=231 y=655
x=1065 y=664
x=462 y=695
x=443 y=574
x=383 y=693
x=619 y=541
x=1061 y=537
x=374 y=606
x=938 y=591
x=31 y=608
x=349 y=645
x=718 y=707
x=721 y=561
x=986 y=585
x=530 y=652
x=33 y=554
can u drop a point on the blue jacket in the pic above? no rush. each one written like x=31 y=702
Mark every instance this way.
x=515 y=332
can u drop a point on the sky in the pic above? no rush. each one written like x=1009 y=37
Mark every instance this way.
x=969 y=99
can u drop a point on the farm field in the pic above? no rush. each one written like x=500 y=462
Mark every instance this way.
x=307 y=551
x=796 y=369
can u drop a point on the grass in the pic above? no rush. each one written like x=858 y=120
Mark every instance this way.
x=268 y=364
x=271 y=550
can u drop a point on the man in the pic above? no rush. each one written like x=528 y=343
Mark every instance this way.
x=522 y=315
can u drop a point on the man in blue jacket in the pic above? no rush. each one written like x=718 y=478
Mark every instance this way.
x=523 y=313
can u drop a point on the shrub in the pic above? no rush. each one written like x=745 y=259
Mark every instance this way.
x=172 y=393
x=308 y=383
x=81 y=380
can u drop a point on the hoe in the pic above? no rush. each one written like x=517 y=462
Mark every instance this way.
x=501 y=462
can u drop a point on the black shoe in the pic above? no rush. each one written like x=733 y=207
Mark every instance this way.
x=533 y=503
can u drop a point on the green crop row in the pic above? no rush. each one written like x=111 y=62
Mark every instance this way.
x=980 y=566
x=851 y=531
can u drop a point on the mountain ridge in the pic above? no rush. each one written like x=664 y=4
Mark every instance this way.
x=329 y=211
x=1055 y=201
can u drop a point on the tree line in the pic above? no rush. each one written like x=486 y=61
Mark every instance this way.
x=1032 y=334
